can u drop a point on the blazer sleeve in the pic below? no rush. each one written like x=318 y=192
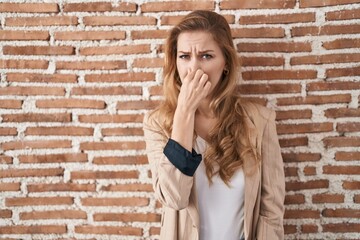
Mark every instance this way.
x=270 y=223
x=172 y=187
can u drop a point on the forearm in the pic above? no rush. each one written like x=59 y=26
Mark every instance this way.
x=183 y=128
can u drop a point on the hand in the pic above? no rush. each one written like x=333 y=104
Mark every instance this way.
x=195 y=87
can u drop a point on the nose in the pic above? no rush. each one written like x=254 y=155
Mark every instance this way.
x=194 y=64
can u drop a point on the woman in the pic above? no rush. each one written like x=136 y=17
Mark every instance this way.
x=215 y=160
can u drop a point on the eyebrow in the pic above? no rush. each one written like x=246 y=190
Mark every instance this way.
x=200 y=52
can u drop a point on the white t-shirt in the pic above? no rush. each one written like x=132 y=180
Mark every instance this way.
x=221 y=208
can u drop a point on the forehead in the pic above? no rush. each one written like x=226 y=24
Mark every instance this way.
x=198 y=39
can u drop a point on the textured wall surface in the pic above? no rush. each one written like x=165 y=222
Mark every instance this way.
x=77 y=78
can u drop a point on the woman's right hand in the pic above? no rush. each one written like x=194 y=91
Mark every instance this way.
x=195 y=87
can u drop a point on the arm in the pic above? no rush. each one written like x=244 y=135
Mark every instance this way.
x=270 y=224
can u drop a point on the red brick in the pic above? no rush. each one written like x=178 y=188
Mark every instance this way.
x=41 y=21
x=110 y=50
x=291 y=171
x=154 y=231
x=328 y=198
x=149 y=34
x=115 y=20
x=341 y=227
x=304 y=128
x=122 y=132
x=43 y=78
x=314 y=184
x=33 y=229
x=131 y=187
x=301 y=157
x=119 y=90
x=342 y=43
x=125 y=201
x=91 y=65
x=111 y=118
x=348 y=127
x=89 y=35
x=124 y=7
x=8 y=35
x=19 y=64
x=156 y=91
x=137 y=105
x=88 y=7
x=323 y=3
x=29 y=7
x=176 y=6
x=347 y=156
x=59 y=131
x=257 y=4
x=5 y=213
x=39 y=50
x=274 y=47
x=262 y=32
x=315 y=99
x=57 y=214
x=309 y=228
x=328 y=86
x=357 y=199
x=104 y=174
x=61 y=187
x=5 y=159
x=53 y=158
x=7 y=187
x=294 y=114
x=108 y=230
x=148 y=63
x=37 y=117
x=343 y=15
x=310 y=171
x=325 y=30
x=37 y=201
x=341 y=213
x=343 y=72
x=121 y=77
x=290 y=229
x=173 y=20
x=131 y=160
x=342 y=112
x=10 y=104
x=341 y=170
x=279 y=74
x=262 y=61
x=32 y=91
x=294 y=199
x=294 y=142
x=269 y=88
x=341 y=142
x=301 y=214
x=36 y=144
x=127 y=217
x=112 y=145
x=280 y=18
x=13 y=173
x=325 y=59
x=71 y=103
x=351 y=185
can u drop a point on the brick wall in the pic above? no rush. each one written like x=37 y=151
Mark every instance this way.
x=77 y=78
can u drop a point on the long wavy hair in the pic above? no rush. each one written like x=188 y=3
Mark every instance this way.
x=229 y=139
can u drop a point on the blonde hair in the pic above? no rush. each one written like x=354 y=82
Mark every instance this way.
x=226 y=147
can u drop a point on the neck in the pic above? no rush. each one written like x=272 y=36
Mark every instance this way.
x=204 y=109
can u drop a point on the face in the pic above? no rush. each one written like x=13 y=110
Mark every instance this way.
x=198 y=50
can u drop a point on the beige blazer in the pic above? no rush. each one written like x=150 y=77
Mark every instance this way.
x=264 y=182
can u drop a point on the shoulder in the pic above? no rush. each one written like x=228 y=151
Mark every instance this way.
x=258 y=114
x=154 y=122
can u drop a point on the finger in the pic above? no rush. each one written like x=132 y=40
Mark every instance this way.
x=206 y=89
x=204 y=78
x=190 y=75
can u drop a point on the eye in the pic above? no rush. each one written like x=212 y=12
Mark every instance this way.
x=206 y=56
x=184 y=56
